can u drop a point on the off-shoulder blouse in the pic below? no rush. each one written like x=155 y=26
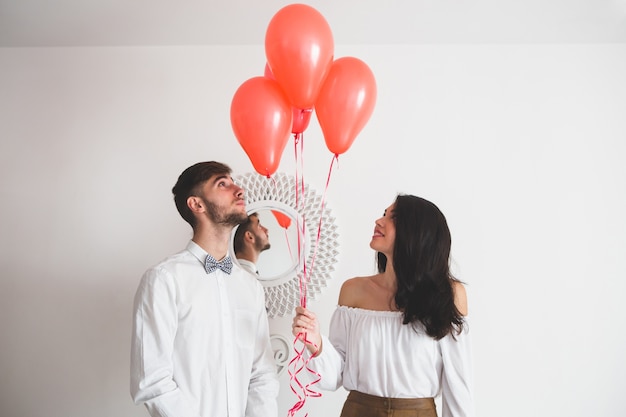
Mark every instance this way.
x=374 y=353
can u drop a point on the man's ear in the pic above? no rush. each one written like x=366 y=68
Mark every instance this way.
x=195 y=204
x=249 y=236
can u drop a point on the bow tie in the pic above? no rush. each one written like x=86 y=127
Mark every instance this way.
x=211 y=264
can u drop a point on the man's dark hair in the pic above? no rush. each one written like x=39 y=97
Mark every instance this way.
x=240 y=233
x=190 y=182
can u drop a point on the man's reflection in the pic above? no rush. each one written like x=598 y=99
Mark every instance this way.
x=251 y=238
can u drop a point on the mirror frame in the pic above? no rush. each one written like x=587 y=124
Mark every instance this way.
x=282 y=295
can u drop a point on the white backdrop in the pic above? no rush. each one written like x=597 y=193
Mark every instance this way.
x=521 y=146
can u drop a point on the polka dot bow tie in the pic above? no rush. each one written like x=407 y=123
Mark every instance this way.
x=211 y=264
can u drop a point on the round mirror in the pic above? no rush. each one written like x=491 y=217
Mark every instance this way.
x=300 y=240
x=273 y=242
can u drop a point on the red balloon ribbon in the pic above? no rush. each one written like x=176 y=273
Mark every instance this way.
x=300 y=363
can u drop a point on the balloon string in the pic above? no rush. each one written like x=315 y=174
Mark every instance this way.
x=299 y=363
x=319 y=226
x=296 y=139
x=305 y=273
x=291 y=259
x=301 y=222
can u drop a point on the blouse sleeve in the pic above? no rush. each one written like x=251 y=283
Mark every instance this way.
x=330 y=362
x=457 y=376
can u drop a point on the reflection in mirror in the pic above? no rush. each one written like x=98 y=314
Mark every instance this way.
x=284 y=244
x=268 y=244
x=290 y=260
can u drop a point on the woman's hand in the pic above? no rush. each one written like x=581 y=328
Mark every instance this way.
x=306 y=327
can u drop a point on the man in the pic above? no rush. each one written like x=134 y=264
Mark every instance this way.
x=251 y=238
x=200 y=345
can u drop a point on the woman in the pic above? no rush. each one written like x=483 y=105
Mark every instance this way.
x=398 y=338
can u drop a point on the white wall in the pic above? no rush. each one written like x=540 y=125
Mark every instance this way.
x=522 y=147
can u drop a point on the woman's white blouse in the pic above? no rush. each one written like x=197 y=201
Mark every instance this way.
x=374 y=353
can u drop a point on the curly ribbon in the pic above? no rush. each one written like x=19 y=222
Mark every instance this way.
x=296 y=365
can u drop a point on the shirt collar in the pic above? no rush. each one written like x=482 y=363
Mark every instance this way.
x=245 y=262
x=197 y=251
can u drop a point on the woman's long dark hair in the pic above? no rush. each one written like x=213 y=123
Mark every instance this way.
x=421 y=262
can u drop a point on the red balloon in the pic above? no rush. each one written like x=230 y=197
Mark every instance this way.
x=345 y=102
x=261 y=117
x=301 y=120
x=299 y=47
x=283 y=220
x=301 y=117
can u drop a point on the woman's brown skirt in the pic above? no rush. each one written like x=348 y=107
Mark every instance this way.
x=364 y=405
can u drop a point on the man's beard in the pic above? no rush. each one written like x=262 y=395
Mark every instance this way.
x=263 y=247
x=218 y=215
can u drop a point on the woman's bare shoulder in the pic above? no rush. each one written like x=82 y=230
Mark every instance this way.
x=353 y=290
